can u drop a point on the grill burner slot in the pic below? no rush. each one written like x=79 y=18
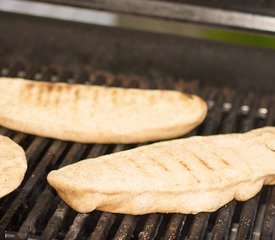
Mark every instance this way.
x=35 y=212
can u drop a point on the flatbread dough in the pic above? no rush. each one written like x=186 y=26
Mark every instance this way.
x=191 y=175
x=96 y=114
x=13 y=165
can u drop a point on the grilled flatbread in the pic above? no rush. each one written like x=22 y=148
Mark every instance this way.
x=95 y=114
x=191 y=175
x=13 y=165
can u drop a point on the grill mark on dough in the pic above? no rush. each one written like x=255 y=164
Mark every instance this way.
x=57 y=95
x=183 y=164
x=139 y=167
x=167 y=152
x=114 y=96
x=27 y=92
x=47 y=89
x=29 y=86
x=155 y=160
x=203 y=162
x=219 y=157
x=76 y=94
x=39 y=96
x=35 y=93
x=58 y=89
x=198 y=158
x=225 y=162
x=94 y=100
x=75 y=101
x=209 y=146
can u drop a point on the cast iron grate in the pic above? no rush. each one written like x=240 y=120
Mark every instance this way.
x=34 y=211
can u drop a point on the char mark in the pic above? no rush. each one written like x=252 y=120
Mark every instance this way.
x=204 y=163
x=76 y=94
x=58 y=88
x=27 y=92
x=225 y=162
x=53 y=92
x=138 y=166
x=155 y=160
x=215 y=154
x=49 y=87
x=29 y=86
x=183 y=164
x=39 y=96
x=114 y=96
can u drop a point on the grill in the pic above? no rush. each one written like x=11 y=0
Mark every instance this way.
x=34 y=211
x=239 y=94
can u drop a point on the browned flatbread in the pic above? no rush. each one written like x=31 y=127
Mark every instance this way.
x=13 y=165
x=94 y=114
x=196 y=174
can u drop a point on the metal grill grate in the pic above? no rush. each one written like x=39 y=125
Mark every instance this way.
x=34 y=211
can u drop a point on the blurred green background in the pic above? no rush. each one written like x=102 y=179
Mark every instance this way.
x=250 y=38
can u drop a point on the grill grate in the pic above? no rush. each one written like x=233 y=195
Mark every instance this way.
x=34 y=211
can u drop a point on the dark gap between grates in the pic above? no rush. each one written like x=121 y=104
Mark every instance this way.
x=163 y=225
x=113 y=225
x=140 y=225
x=4 y=131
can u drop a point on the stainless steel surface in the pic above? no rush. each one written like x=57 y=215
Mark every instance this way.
x=59 y=12
x=174 y=11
